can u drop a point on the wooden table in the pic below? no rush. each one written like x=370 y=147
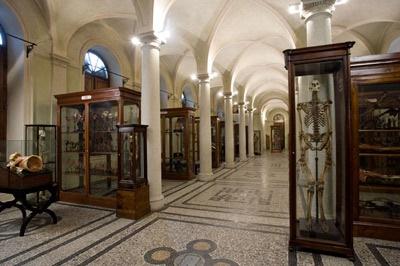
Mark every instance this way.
x=20 y=185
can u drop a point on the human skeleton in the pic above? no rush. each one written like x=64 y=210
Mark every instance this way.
x=316 y=115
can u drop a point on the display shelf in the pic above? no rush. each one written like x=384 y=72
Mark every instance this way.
x=320 y=191
x=376 y=116
x=379 y=189
x=178 y=148
x=89 y=122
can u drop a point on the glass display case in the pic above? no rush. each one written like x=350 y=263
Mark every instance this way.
x=215 y=141
x=178 y=143
x=257 y=142
x=133 y=190
x=376 y=105
x=222 y=140
x=319 y=155
x=277 y=137
x=42 y=140
x=88 y=146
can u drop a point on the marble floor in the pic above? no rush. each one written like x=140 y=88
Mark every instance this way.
x=241 y=218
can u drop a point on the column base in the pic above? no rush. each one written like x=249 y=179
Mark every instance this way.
x=205 y=177
x=244 y=159
x=157 y=203
x=230 y=165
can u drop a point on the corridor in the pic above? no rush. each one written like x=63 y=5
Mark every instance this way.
x=241 y=218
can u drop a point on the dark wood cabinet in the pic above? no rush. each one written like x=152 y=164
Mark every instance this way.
x=88 y=143
x=133 y=189
x=376 y=145
x=320 y=190
x=178 y=143
x=216 y=141
x=277 y=138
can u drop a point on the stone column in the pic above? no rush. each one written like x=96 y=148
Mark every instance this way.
x=251 y=133
x=242 y=132
x=150 y=107
x=318 y=15
x=205 y=129
x=229 y=144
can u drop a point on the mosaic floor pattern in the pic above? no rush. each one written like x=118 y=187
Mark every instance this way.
x=241 y=218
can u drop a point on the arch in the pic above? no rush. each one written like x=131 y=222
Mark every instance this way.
x=394 y=47
x=188 y=97
x=111 y=59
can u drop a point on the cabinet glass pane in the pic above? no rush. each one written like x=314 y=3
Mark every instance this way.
x=379 y=147
x=103 y=148
x=131 y=113
x=132 y=157
x=72 y=148
x=320 y=151
x=174 y=144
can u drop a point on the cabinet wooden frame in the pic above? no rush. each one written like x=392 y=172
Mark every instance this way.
x=312 y=61
x=188 y=142
x=372 y=70
x=119 y=95
x=133 y=191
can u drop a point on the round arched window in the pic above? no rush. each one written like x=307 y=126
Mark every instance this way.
x=94 y=65
x=279 y=118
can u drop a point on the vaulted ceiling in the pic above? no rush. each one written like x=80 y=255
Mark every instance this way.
x=242 y=39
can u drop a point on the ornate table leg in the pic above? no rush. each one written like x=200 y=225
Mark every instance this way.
x=10 y=204
x=40 y=208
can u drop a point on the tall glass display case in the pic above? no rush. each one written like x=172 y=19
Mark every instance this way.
x=215 y=141
x=376 y=116
x=277 y=137
x=87 y=143
x=178 y=143
x=222 y=140
x=133 y=189
x=257 y=142
x=42 y=140
x=319 y=153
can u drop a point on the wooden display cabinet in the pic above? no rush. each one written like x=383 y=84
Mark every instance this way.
x=236 y=140
x=87 y=143
x=277 y=136
x=376 y=134
x=257 y=142
x=133 y=189
x=320 y=191
x=222 y=140
x=215 y=141
x=178 y=143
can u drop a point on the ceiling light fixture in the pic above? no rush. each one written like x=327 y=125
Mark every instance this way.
x=136 y=41
x=295 y=8
x=341 y=2
x=193 y=77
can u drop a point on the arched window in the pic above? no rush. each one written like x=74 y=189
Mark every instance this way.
x=278 y=118
x=96 y=72
x=184 y=100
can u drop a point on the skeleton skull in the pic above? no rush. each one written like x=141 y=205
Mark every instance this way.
x=315 y=86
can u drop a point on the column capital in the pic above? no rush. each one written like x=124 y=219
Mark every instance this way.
x=203 y=78
x=312 y=7
x=228 y=95
x=241 y=103
x=150 y=39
